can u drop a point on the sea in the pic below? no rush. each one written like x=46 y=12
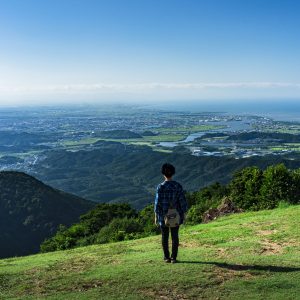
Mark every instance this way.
x=278 y=110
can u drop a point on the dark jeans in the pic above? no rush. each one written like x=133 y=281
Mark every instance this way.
x=165 y=241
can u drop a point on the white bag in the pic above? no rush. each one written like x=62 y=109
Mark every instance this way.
x=172 y=218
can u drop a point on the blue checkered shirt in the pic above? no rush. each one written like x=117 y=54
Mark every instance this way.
x=169 y=193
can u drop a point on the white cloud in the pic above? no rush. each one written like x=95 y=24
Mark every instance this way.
x=103 y=87
x=151 y=92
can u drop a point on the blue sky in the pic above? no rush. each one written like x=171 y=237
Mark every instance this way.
x=138 y=50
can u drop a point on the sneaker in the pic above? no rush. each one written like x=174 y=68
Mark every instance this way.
x=167 y=260
x=173 y=260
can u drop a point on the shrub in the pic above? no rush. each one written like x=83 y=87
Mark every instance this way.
x=84 y=232
x=119 y=230
x=208 y=197
x=283 y=204
x=277 y=185
x=146 y=219
x=253 y=189
x=194 y=215
x=245 y=188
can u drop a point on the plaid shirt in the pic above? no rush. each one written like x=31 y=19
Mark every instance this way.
x=169 y=193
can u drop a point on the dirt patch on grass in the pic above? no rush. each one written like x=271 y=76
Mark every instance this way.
x=66 y=266
x=222 y=253
x=109 y=261
x=291 y=243
x=221 y=275
x=40 y=281
x=5 y=282
x=164 y=294
x=256 y=225
x=80 y=286
x=270 y=248
x=44 y=286
x=189 y=244
x=32 y=271
x=74 y=265
x=266 y=232
x=33 y=283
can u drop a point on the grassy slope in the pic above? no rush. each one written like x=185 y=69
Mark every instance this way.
x=243 y=256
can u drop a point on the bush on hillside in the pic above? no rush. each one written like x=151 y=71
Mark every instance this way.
x=245 y=188
x=200 y=201
x=84 y=232
x=146 y=219
x=254 y=189
x=194 y=215
x=103 y=213
x=119 y=230
x=277 y=185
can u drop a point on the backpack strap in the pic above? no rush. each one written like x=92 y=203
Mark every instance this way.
x=171 y=204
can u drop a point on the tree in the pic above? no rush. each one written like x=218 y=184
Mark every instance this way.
x=277 y=186
x=245 y=188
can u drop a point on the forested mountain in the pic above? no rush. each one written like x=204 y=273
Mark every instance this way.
x=279 y=136
x=24 y=141
x=126 y=173
x=30 y=211
x=21 y=138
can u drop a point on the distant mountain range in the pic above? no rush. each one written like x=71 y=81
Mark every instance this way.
x=31 y=211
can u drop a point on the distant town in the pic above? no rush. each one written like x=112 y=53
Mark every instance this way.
x=27 y=135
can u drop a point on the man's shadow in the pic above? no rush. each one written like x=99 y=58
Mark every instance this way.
x=237 y=267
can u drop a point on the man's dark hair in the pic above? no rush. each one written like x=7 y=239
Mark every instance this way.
x=168 y=170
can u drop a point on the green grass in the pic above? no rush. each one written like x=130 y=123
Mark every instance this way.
x=84 y=141
x=252 y=255
x=170 y=137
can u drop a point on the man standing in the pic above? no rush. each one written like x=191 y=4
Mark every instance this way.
x=169 y=194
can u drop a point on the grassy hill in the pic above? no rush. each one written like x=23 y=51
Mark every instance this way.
x=252 y=255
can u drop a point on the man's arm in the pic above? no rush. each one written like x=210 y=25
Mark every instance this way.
x=155 y=219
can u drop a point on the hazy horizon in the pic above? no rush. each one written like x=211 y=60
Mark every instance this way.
x=283 y=110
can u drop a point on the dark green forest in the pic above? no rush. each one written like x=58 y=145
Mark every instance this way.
x=126 y=173
x=12 y=142
x=278 y=136
x=30 y=211
x=253 y=135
